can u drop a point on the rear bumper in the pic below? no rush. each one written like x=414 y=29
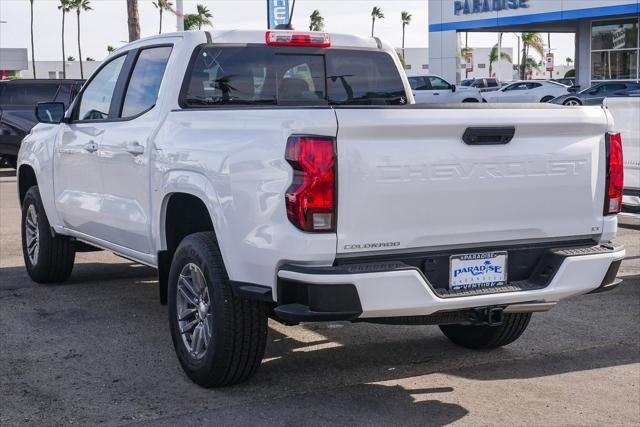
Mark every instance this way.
x=379 y=290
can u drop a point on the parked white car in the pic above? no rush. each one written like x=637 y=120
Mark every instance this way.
x=626 y=116
x=283 y=175
x=434 y=89
x=527 y=91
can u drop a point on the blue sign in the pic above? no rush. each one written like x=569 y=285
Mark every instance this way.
x=278 y=11
x=467 y=7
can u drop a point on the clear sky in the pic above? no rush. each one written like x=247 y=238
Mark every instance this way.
x=106 y=24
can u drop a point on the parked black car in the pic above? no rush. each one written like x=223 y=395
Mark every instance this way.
x=596 y=93
x=18 y=99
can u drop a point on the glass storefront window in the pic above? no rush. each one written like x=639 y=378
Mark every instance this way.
x=614 y=35
x=615 y=50
x=614 y=65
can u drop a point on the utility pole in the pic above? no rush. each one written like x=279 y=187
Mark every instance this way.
x=498 y=75
x=549 y=43
x=466 y=53
x=180 y=15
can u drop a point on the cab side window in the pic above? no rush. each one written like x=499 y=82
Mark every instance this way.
x=419 y=83
x=144 y=84
x=96 y=98
x=438 y=84
x=516 y=86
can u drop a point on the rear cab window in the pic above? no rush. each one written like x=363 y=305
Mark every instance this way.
x=262 y=75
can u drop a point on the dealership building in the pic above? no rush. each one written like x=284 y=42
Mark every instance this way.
x=607 y=36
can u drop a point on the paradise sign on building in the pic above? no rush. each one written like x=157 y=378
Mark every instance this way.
x=467 y=7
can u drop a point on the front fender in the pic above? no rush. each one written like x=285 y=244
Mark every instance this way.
x=37 y=152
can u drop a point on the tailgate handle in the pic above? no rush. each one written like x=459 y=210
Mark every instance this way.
x=488 y=135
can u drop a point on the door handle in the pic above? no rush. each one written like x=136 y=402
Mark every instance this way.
x=90 y=147
x=135 y=148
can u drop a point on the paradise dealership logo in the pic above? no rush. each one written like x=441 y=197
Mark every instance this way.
x=478 y=270
x=467 y=7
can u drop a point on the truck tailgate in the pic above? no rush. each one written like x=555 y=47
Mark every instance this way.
x=406 y=179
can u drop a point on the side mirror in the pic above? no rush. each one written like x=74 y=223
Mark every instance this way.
x=453 y=88
x=50 y=112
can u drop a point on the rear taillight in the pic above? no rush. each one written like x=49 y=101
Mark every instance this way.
x=310 y=199
x=615 y=174
x=295 y=38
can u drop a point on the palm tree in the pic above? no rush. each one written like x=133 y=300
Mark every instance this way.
x=163 y=5
x=406 y=20
x=33 y=55
x=203 y=16
x=79 y=6
x=110 y=49
x=376 y=13
x=316 y=21
x=533 y=41
x=493 y=57
x=65 y=7
x=569 y=61
x=191 y=21
x=133 y=20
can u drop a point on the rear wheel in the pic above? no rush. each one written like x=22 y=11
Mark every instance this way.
x=219 y=338
x=49 y=258
x=470 y=100
x=488 y=337
x=572 y=102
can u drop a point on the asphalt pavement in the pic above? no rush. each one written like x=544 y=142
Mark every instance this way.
x=97 y=350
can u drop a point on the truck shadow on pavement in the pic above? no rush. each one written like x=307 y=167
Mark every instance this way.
x=330 y=372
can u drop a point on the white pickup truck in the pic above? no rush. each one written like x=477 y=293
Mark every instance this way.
x=290 y=175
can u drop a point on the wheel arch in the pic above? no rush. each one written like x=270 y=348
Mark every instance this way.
x=188 y=205
x=26 y=177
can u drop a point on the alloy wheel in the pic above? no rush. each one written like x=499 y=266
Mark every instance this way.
x=32 y=234
x=194 y=310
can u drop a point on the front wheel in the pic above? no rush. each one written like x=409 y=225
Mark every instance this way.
x=488 y=337
x=219 y=338
x=547 y=99
x=49 y=258
x=470 y=100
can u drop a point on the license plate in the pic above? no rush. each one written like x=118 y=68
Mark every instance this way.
x=479 y=270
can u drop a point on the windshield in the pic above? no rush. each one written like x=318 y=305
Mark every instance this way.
x=259 y=75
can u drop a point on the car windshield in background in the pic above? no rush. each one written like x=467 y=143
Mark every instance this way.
x=467 y=82
x=266 y=76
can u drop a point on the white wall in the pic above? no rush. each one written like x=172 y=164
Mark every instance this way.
x=43 y=68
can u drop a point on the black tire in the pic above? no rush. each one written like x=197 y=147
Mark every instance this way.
x=56 y=254
x=471 y=100
x=547 y=99
x=239 y=331
x=488 y=337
